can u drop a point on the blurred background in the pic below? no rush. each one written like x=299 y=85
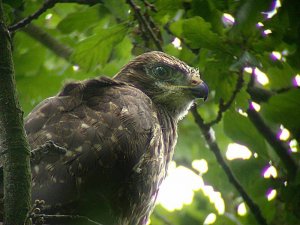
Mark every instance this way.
x=247 y=52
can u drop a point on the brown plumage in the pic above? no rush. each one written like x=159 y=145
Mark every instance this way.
x=119 y=134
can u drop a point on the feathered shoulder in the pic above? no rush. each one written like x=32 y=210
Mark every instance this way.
x=89 y=87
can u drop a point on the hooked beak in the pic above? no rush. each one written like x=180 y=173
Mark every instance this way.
x=200 y=91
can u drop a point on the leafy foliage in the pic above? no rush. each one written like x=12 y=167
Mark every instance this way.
x=105 y=36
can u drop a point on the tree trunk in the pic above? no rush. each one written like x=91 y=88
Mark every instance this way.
x=13 y=144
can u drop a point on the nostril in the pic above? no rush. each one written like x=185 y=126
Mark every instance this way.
x=195 y=82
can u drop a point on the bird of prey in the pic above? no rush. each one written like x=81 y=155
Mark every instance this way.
x=119 y=135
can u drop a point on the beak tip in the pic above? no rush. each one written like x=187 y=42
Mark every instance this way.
x=200 y=91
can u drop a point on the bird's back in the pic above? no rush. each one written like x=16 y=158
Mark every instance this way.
x=117 y=151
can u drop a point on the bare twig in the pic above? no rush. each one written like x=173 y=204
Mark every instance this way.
x=225 y=106
x=150 y=6
x=279 y=147
x=285 y=89
x=144 y=23
x=47 y=5
x=210 y=140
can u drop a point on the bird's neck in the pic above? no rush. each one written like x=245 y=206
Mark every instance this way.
x=176 y=111
x=168 y=126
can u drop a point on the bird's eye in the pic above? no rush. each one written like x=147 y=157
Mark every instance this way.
x=160 y=71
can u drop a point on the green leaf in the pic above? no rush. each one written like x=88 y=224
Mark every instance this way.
x=284 y=109
x=166 y=10
x=209 y=11
x=176 y=27
x=242 y=99
x=219 y=79
x=119 y=9
x=246 y=60
x=95 y=50
x=85 y=18
x=197 y=33
x=248 y=15
x=242 y=131
x=281 y=76
x=120 y=56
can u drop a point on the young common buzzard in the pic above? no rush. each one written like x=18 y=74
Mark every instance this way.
x=119 y=135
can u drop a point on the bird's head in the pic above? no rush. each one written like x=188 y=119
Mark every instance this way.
x=169 y=82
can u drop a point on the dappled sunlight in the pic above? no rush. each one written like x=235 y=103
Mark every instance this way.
x=182 y=182
x=269 y=172
x=228 y=20
x=296 y=80
x=241 y=209
x=279 y=56
x=260 y=76
x=200 y=165
x=259 y=25
x=75 y=68
x=48 y=16
x=267 y=32
x=242 y=112
x=275 y=55
x=271 y=194
x=210 y=219
x=215 y=198
x=177 y=43
x=255 y=106
x=237 y=151
x=273 y=11
x=293 y=145
x=248 y=69
x=283 y=133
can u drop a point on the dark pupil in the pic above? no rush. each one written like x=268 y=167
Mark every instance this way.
x=160 y=71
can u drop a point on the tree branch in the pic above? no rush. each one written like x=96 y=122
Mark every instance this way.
x=144 y=23
x=259 y=94
x=48 y=4
x=279 y=147
x=210 y=140
x=47 y=40
x=150 y=6
x=225 y=106
x=13 y=142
